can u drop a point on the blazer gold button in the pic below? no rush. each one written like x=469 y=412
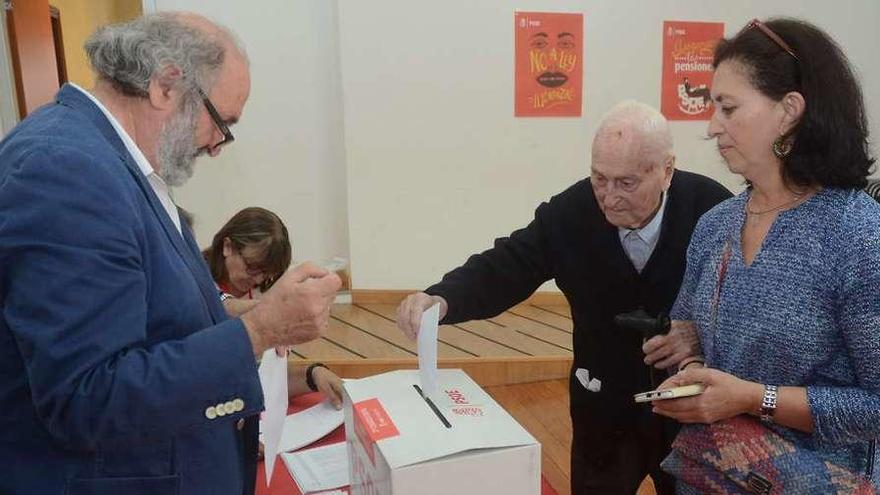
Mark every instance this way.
x=238 y=404
x=221 y=411
x=239 y=424
x=211 y=412
x=229 y=407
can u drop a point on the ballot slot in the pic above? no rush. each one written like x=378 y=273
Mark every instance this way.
x=486 y=439
x=433 y=407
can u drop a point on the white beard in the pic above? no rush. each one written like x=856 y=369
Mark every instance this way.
x=177 y=151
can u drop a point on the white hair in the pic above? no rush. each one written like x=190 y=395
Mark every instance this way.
x=637 y=124
x=129 y=55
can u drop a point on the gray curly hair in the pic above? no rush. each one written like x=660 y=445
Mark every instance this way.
x=129 y=55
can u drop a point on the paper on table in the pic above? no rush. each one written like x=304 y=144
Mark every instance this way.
x=306 y=426
x=273 y=378
x=321 y=468
x=427 y=347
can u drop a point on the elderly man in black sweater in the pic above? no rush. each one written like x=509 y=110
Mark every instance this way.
x=613 y=243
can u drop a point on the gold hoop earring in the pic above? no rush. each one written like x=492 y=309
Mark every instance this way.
x=782 y=147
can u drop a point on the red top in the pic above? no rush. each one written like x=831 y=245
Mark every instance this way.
x=225 y=288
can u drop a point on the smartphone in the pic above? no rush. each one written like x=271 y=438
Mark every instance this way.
x=670 y=393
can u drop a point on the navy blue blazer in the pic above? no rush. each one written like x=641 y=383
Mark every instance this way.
x=115 y=351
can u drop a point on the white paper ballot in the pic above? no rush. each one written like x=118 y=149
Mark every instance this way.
x=427 y=347
x=273 y=378
x=318 y=469
x=308 y=425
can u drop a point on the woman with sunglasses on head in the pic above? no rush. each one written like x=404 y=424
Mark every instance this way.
x=783 y=280
x=246 y=257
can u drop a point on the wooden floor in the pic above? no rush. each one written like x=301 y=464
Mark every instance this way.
x=521 y=357
x=542 y=409
x=368 y=331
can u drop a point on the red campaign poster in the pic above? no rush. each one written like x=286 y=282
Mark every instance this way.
x=549 y=64
x=687 y=68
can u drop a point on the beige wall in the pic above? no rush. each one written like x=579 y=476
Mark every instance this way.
x=394 y=141
x=289 y=150
x=79 y=19
x=438 y=166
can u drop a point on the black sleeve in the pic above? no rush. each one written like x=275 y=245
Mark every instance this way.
x=493 y=281
x=711 y=193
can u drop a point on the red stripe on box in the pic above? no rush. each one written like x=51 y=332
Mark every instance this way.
x=372 y=423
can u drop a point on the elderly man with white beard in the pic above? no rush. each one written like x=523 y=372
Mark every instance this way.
x=119 y=369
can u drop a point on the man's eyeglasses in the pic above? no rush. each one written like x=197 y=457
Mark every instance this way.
x=215 y=116
x=755 y=23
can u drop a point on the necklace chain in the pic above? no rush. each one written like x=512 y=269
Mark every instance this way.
x=775 y=208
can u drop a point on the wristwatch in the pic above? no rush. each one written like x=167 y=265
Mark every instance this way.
x=768 y=403
x=310 y=379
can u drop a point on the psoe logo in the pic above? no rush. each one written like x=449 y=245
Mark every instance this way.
x=462 y=406
x=693 y=100
x=457 y=397
x=473 y=411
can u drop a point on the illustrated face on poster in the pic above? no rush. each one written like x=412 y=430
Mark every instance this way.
x=551 y=59
x=549 y=73
x=688 y=49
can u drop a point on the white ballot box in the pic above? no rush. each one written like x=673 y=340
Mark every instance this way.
x=460 y=442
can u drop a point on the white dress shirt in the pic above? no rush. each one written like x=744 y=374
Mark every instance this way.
x=157 y=183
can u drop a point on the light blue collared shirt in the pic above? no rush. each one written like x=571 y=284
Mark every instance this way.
x=639 y=244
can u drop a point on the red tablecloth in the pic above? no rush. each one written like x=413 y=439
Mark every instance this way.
x=282 y=482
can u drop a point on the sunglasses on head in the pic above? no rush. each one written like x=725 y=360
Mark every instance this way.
x=755 y=23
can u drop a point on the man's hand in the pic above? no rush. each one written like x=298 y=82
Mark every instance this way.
x=409 y=313
x=665 y=351
x=295 y=310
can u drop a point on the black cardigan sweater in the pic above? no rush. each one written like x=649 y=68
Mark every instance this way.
x=570 y=241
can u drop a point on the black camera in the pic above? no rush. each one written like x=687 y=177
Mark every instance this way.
x=640 y=321
x=647 y=326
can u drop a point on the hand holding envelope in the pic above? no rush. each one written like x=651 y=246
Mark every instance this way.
x=427 y=347
x=295 y=310
x=410 y=311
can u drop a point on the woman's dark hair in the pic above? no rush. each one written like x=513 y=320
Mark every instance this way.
x=257 y=228
x=830 y=141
